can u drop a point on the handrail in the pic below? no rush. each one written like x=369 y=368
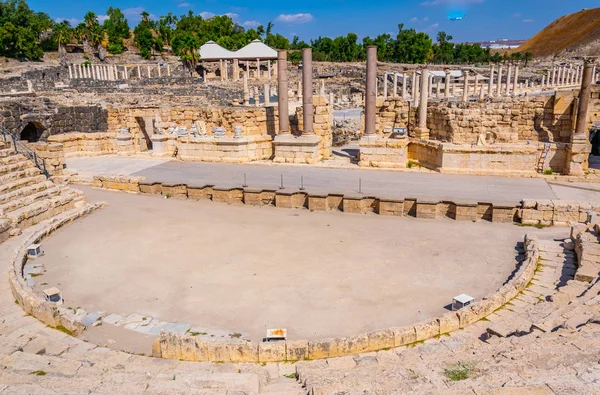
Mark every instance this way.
x=23 y=149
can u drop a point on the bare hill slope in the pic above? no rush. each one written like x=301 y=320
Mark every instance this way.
x=577 y=32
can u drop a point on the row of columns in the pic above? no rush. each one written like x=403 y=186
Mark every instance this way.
x=224 y=69
x=571 y=75
x=113 y=72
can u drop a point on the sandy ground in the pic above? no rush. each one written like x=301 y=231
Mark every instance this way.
x=246 y=269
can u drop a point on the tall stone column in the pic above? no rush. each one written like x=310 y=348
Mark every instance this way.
x=93 y=72
x=499 y=82
x=414 y=91
x=257 y=69
x=491 y=80
x=168 y=70
x=438 y=89
x=236 y=70
x=395 y=92
x=126 y=74
x=307 y=91
x=430 y=86
x=447 y=83
x=548 y=76
x=554 y=71
x=70 y=72
x=282 y=92
x=421 y=131
x=371 y=92
x=516 y=82
x=465 y=97
x=543 y=81
x=580 y=147
x=404 y=84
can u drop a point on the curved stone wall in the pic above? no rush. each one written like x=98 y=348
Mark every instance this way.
x=189 y=348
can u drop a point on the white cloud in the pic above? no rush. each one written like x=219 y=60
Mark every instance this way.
x=295 y=18
x=450 y=2
x=232 y=15
x=73 y=21
x=134 y=13
x=206 y=15
x=102 y=18
x=415 y=19
x=251 y=24
x=184 y=5
x=528 y=21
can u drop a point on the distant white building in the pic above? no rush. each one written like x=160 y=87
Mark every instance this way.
x=501 y=44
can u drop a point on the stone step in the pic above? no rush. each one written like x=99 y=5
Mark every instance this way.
x=16 y=204
x=16 y=175
x=41 y=210
x=12 y=159
x=15 y=166
x=25 y=191
x=288 y=387
x=18 y=184
x=6 y=152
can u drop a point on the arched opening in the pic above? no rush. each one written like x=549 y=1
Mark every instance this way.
x=32 y=132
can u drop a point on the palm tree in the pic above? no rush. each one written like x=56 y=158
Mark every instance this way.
x=527 y=57
x=62 y=33
x=95 y=33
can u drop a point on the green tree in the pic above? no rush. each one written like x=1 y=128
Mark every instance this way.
x=527 y=57
x=117 y=29
x=143 y=37
x=62 y=34
x=444 y=51
x=186 y=46
x=412 y=46
x=21 y=30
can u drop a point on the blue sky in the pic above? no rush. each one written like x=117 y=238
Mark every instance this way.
x=484 y=19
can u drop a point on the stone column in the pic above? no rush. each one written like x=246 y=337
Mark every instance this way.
x=508 y=76
x=282 y=95
x=499 y=82
x=125 y=73
x=139 y=72
x=256 y=97
x=430 y=86
x=543 y=81
x=395 y=91
x=269 y=68
x=579 y=148
x=548 y=76
x=491 y=80
x=416 y=88
x=404 y=83
x=371 y=92
x=70 y=72
x=168 y=70
x=221 y=68
x=299 y=89
x=79 y=73
x=421 y=131
x=93 y=72
x=322 y=91
x=257 y=69
x=516 y=82
x=465 y=97
x=246 y=91
x=149 y=72
x=236 y=70
x=307 y=89
x=438 y=89
x=553 y=76
x=385 y=85
x=158 y=68
x=447 y=83
x=561 y=76
x=116 y=72
x=476 y=90
x=267 y=95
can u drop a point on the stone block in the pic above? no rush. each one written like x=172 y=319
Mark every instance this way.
x=283 y=200
x=404 y=335
x=317 y=202
x=252 y=197
x=391 y=207
x=379 y=340
x=296 y=350
x=319 y=349
x=200 y=193
x=152 y=188
x=335 y=202
x=465 y=212
x=448 y=322
x=174 y=190
x=272 y=352
x=353 y=204
x=427 y=329
x=427 y=209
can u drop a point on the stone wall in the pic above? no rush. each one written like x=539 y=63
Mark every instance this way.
x=225 y=149
x=392 y=113
x=50 y=117
x=85 y=144
x=53 y=155
x=322 y=124
x=537 y=118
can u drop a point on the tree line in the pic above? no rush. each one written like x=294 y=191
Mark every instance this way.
x=25 y=34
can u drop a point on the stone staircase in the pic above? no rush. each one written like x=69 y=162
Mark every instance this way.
x=26 y=196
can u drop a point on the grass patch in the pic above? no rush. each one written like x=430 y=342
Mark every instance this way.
x=235 y=335
x=548 y=172
x=33 y=275
x=460 y=371
x=290 y=376
x=416 y=343
x=64 y=330
x=410 y=164
x=38 y=373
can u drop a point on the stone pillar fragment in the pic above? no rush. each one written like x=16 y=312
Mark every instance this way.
x=491 y=80
x=395 y=89
x=421 y=131
x=508 y=76
x=516 y=82
x=385 y=85
x=246 y=91
x=282 y=94
x=404 y=84
x=447 y=83
x=465 y=97
x=499 y=82
x=307 y=88
x=371 y=92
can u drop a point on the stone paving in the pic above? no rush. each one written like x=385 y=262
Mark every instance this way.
x=320 y=180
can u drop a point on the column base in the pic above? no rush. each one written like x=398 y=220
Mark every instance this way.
x=421 y=133
x=302 y=149
x=578 y=155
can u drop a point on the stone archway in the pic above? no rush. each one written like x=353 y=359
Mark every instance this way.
x=32 y=132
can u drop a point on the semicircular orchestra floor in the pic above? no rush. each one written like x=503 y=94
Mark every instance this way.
x=242 y=269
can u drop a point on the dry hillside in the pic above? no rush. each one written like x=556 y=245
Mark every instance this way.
x=571 y=33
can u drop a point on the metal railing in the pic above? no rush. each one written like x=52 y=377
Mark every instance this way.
x=21 y=148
